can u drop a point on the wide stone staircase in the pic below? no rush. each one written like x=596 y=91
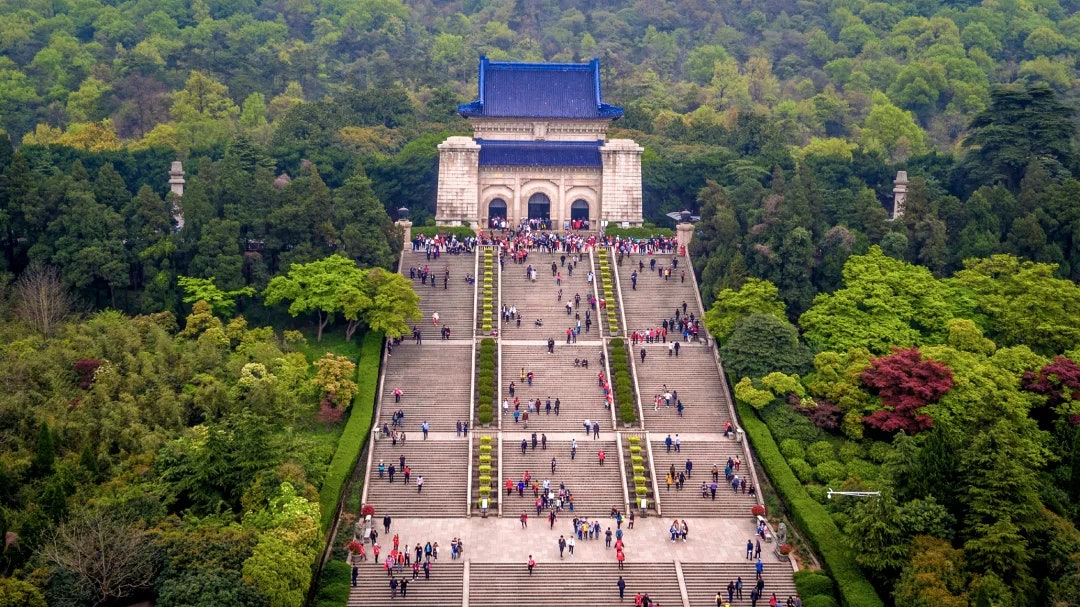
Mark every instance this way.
x=540 y=300
x=454 y=304
x=688 y=502
x=444 y=465
x=570 y=584
x=445 y=587
x=655 y=299
x=595 y=488
x=435 y=379
x=555 y=376
x=693 y=375
x=703 y=580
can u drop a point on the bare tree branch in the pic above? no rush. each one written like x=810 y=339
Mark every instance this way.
x=41 y=299
x=111 y=557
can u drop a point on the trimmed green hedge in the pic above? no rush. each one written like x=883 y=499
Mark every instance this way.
x=462 y=232
x=813 y=583
x=357 y=429
x=334 y=584
x=855 y=590
x=621 y=382
x=642 y=232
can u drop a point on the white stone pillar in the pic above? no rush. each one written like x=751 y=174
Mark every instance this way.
x=458 y=199
x=621 y=191
x=900 y=185
x=517 y=202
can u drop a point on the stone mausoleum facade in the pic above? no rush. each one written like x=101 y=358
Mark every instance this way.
x=539 y=150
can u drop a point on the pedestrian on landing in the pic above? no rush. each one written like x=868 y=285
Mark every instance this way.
x=749 y=550
x=524 y=520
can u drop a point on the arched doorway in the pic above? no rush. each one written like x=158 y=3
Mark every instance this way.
x=539 y=206
x=579 y=210
x=496 y=211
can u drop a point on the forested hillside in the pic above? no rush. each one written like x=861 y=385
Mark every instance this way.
x=198 y=437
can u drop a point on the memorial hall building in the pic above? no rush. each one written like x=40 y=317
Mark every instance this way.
x=539 y=150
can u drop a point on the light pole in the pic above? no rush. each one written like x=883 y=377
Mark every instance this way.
x=830 y=493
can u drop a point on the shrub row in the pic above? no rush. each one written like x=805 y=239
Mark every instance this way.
x=334 y=584
x=487 y=310
x=485 y=383
x=811 y=517
x=620 y=380
x=638 y=233
x=609 y=292
x=357 y=429
x=462 y=232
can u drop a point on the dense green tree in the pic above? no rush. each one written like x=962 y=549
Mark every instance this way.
x=762 y=343
x=881 y=546
x=368 y=236
x=884 y=303
x=1021 y=123
x=754 y=297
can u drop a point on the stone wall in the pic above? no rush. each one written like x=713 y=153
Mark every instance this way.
x=621 y=193
x=459 y=161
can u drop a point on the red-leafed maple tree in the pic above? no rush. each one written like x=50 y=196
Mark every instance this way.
x=1059 y=381
x=905 y=382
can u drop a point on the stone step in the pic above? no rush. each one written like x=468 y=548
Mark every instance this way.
x=655 y=298
x=445 y=587
x=694 y=376
x=454 y=303
x=540 y=299
x=444 y=465
x=688 y=502
x=555 y=377
x=704 y=580
x=595 y=488
x=413 y=369
x=569 y=584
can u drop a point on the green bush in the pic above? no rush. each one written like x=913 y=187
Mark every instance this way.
x=641 y=491
x=830 y=472
x=484 y=414
x=637 y=460
x=485 y=480
x=850 y=450
x=813 y=583
x=639 y=470
x=357 y=429
x=879 y=451
x=334 y=582
x=638 y=233
x=810 y=516
x=635 y=449
x=627 y=413
x=819 y=494
x=633 y=439
x=803 y=470
x=820 y=601
x=792 y=449
x=820 y=452
x=485 y=448
x=640 y=480
x=485 y=439
x=485 y=490
x=863 y=469
x=484 y=469
x=485 y=460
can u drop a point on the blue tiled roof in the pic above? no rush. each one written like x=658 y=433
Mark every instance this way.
x=539 y=90
x=540 y=153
